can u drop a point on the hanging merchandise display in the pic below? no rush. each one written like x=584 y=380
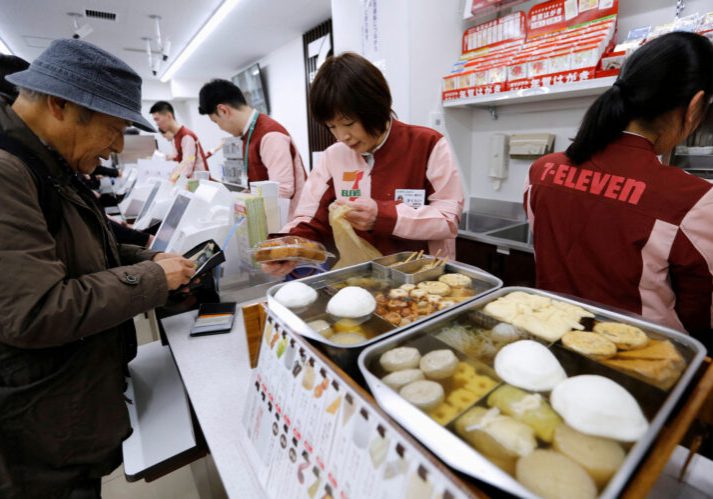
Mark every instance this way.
x=701 y=24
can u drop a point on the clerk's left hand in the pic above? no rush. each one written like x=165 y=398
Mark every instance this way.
x=362 y=214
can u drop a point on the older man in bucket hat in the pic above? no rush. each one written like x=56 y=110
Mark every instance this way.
x=69 y=289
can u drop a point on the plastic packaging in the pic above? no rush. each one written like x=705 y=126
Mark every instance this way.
x=293 y=248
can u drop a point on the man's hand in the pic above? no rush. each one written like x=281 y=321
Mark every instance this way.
x=178 y=270
x=165 y=256
x=362 y=213
x=278 y=269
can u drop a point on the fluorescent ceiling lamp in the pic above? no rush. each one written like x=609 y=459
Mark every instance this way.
x=205 y=31
x=4 y=49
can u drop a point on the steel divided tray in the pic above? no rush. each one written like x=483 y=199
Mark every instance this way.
x=656 y=403
x=346 y=355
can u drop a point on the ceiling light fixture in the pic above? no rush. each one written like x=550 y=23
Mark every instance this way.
x=218 y=15
x=4 y=49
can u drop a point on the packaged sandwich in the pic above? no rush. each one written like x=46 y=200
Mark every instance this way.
x=292 y=248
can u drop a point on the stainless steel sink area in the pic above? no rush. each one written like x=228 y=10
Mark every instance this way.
x=479 y=223
x=518 y=233
x=496 y=222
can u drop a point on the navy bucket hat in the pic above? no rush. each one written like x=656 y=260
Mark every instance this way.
x=83 y=73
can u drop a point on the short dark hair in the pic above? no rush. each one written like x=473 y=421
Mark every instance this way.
x=162 y=107
x=662 y=75
x=219 y=92
x=351 y=86
x=10 y=64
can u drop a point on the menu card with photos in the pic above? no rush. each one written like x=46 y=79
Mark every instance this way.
x=318 y=438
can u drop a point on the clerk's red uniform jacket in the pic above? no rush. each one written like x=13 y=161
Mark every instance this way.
x=273 y=156
x=411 y=157
x=624 y=230
x=188 y=146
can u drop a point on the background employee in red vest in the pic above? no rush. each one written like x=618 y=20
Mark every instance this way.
x=613 y=224
x=189 y=152
x=268 y=149
x=399 y=180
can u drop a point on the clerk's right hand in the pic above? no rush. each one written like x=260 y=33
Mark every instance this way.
x=278 y=269
x=178 y=271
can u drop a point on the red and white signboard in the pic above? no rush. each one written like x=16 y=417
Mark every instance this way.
x=556 y=15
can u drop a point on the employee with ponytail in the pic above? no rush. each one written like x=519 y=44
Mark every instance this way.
x=613 y=224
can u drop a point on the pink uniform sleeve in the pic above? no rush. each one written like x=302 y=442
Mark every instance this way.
x=438 y=219
x=691 y=267
x=188 y=145
x=277 y=157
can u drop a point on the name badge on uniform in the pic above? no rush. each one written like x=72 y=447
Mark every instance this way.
x=415 y=198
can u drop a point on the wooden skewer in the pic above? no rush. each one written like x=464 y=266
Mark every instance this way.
x=443 y=262
x=410 y=257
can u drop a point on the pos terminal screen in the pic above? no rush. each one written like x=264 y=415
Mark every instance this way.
x=170 y=223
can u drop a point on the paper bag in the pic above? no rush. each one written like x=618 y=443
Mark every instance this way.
x=352 y=248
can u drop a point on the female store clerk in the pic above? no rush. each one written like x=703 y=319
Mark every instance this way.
x=399 y=180
x=613 y=224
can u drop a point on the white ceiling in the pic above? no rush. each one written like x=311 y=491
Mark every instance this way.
x=252 y=30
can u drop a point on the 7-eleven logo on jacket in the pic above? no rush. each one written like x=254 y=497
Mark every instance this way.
x=355 y=177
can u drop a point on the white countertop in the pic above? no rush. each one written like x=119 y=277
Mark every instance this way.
x=216 y=371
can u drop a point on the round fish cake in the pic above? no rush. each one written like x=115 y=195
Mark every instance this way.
x=435 y=287
x=456 y=280
x=592 y=345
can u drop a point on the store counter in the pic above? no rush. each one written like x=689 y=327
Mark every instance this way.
x=215 y=371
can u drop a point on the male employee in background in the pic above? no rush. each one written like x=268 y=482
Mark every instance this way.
x=70 y=290
x=268 y=149
x=189 y=152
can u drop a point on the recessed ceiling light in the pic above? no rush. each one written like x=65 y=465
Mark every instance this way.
x=218 y=15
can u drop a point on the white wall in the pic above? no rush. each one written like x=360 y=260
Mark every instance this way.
x=284 y=72
x=435 y=38
x=284 y=76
